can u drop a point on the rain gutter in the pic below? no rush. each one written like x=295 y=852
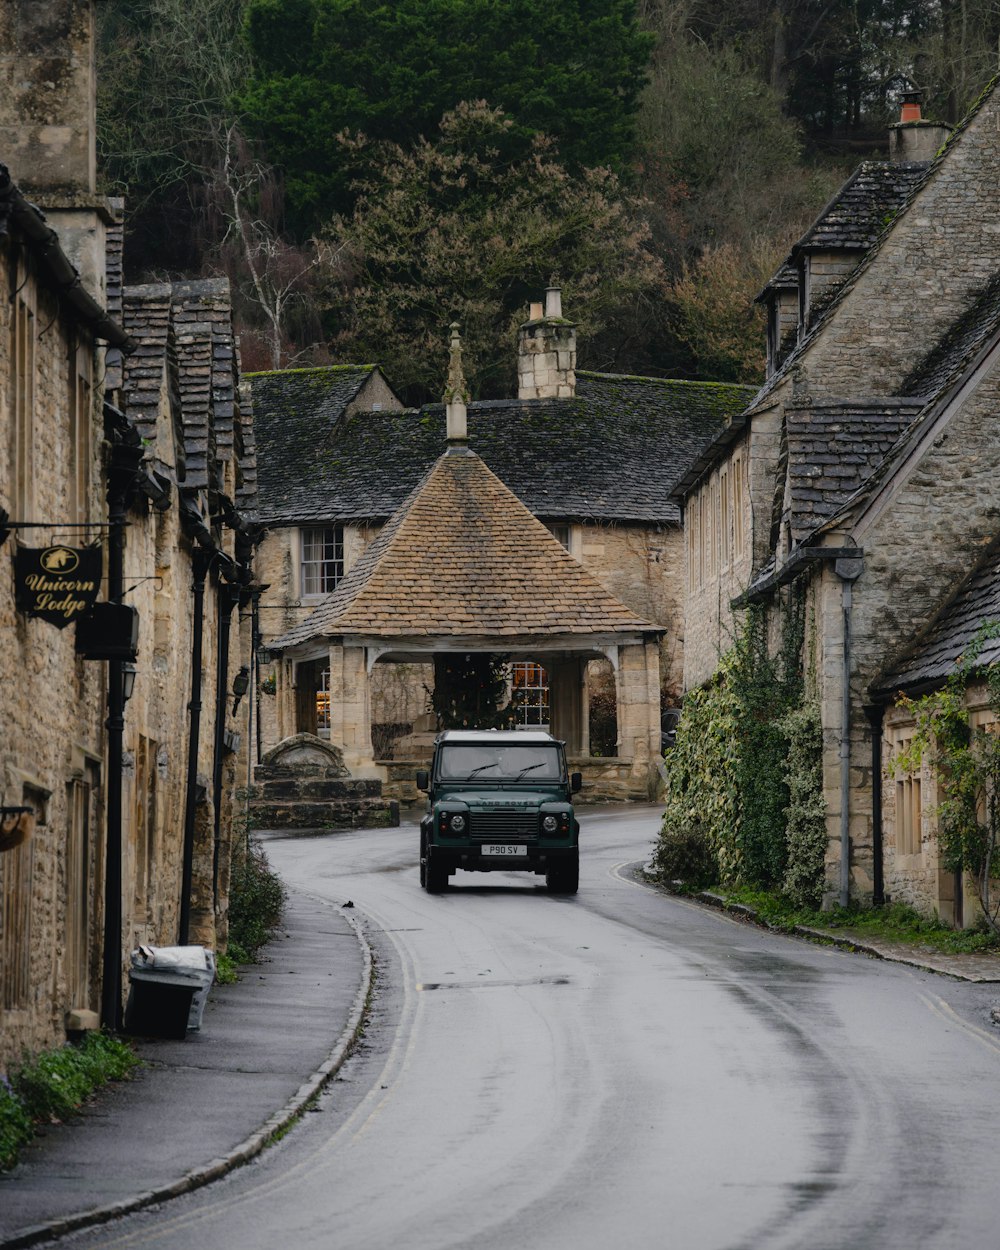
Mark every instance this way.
x=31 y=222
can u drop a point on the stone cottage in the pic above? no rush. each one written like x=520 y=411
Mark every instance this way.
x=119 y=479
x=865 y=472
x=592 y=456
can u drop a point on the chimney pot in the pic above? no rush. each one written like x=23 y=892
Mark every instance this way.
x=553 y=301
x=910 y=110
x=535 y=311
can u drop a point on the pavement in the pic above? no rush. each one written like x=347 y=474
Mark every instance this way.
x=200 y=1107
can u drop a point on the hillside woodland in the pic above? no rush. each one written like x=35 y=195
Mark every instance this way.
x=367 y=173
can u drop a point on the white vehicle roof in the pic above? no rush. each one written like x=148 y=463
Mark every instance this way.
x=514 y=736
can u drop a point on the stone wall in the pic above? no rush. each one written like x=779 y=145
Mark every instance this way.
x=942 y=249
x=51 y=709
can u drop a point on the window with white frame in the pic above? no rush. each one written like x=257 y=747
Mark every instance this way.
x=322 y=560
x=530 y=693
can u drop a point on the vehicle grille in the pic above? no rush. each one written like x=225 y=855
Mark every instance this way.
x=488 y=826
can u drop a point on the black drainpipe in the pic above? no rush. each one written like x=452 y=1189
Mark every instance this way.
x=876 y=716
x=227 y=598
x=200 y=566
x=125 y=460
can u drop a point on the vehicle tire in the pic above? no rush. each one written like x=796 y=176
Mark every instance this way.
x=435 y=877
x=564 y=879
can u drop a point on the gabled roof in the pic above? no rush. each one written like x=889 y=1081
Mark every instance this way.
x=945 y=644
x=862 y=208
x=960 y=344
x=147 y=320
x=833 y=448
x=613 y=452
x=463 y=556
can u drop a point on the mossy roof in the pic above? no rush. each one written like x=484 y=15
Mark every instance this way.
x=613 y=452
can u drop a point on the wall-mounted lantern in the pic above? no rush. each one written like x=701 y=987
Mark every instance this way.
x=241 y=684
x=129 y=671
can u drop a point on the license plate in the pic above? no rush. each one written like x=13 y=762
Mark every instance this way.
x=504 y=850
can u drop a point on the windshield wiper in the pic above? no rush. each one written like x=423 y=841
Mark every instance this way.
x=492 y=764
x=528 y=769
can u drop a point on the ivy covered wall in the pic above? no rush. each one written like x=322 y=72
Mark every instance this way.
x=744 y=800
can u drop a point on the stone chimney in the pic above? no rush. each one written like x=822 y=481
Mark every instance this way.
x=912 y=138
x=48 y=112
x=456 y=396
x=546 y=352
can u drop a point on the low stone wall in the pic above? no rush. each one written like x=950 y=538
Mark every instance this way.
x=307 y=798
x=605 y=780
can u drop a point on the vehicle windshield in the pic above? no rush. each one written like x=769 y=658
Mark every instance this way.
x=467 y=761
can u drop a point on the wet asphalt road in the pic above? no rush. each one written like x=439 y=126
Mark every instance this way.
x=619 y=1069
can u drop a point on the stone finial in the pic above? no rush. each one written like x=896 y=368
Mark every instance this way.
x=456 y=392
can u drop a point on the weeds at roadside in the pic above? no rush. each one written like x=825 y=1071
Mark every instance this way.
x=52 y=1086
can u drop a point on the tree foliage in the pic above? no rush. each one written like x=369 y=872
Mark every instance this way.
x=458 y=229
x=390 y=70
x=167 y=73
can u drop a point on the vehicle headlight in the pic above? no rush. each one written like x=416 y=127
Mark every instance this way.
x=550 y=824
x=457 y=822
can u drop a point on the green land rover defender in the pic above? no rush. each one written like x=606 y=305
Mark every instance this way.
x=499 y=800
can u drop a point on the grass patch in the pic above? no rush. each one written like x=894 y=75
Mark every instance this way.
x=55 y=1084
x=894 y=922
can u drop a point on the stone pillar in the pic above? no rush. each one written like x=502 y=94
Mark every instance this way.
x=350 y=710
x=638 y=682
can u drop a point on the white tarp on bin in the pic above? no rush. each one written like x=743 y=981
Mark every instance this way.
x=177 y=965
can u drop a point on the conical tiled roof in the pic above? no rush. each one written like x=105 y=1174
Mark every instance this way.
x=463 y=556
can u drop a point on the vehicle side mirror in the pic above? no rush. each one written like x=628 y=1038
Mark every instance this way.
x=575 y=782
x=423 y=779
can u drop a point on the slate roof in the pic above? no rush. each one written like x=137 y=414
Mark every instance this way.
x=957 y=348
x=146 y=313
x=463 y=556
x=947 y=641
x=833 y=449
x=185 y=329
x=864 y=206
x=613 y=452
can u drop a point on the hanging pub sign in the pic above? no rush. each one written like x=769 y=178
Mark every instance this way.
x=57 y=583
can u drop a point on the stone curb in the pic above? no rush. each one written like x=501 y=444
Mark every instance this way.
x=248 y=1149
x=830 y=938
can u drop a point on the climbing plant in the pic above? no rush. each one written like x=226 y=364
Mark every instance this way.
x=702 y=801
x=966 y=763
x=744 y=775
x=805 y=827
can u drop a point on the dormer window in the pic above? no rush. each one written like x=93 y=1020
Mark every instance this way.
x=322 y=564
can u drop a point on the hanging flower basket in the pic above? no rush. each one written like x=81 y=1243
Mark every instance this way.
x=17 y=824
